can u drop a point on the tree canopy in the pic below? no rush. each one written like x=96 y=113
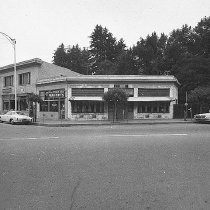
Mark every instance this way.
x=200 y=95
x=115 y=95
x=184 y=53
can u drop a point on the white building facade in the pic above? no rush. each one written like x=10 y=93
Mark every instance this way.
x=81 y=97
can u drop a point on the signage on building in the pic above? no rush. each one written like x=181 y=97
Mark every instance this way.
x=52 y=94
x=6 y=90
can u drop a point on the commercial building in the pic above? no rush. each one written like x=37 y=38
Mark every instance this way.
x=28 y=73
x=80 y=98
x=67 y=94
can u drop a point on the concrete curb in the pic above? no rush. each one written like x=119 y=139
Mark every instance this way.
x=108 y=124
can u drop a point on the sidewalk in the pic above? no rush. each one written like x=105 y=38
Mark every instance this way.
x=69 y=123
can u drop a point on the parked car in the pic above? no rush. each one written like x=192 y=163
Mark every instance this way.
x=204 y=117
x=14 y=117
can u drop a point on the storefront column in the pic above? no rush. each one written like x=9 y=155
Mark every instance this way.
x=135 y=92
x=106 y=104
x=69 y=107
x=171 y=110
x=37 y=110
x=135 y=109
x=1 y=105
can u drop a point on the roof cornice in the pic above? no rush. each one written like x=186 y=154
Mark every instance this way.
x=111 y=78
x=22 y=64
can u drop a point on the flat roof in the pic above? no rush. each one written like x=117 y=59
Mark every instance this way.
x=111 y=78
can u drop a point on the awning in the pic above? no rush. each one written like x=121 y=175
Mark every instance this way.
x=150 y=99
x=85 y=99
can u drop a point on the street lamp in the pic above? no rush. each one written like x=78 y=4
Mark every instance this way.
x=13 y=42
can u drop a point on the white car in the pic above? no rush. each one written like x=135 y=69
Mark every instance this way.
x=204 y=117
x=14 y=117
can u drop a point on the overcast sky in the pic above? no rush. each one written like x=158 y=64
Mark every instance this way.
x=40 y=26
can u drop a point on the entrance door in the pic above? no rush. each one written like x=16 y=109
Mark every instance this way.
x=120 y=112
x=61 y=109
x=129 y=111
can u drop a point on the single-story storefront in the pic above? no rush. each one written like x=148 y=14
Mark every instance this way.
x=81 y=97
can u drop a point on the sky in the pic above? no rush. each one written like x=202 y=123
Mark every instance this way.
x=40 y=26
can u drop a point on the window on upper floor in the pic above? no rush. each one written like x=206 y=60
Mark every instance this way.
x=116 y=86
x=151 y=92
x=128 y=91
x=25 y=78
x=8 y=81
x=87 y=92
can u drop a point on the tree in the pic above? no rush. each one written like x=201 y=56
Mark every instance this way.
x=33 y=99
x=200 y=94
x=202 y=37
x=103 y=47
x=59 y=57
x=78 y=59
x=191 y=71
x=128 y=64
x=187 y=58
x=115 y=96
x=73 y=58
x=106 y=68
x=150 y=54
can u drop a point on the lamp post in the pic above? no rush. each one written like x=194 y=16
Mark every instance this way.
x=13 y=42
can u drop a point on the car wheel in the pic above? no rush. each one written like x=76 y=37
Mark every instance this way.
x=12 y=122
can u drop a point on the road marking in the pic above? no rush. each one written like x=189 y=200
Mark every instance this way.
x=148 y=135
x=31 y=138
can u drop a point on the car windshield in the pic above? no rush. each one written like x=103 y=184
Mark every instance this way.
x=8 y=113
x=20 y=113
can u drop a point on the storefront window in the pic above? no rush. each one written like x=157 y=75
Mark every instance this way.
x=53 y=106
x=53 y=100
x=23 y=104
x=9 y=103
x=6 y=105
x=44 y=106
x=12 y=105
x=87 y=107
x=153 y=107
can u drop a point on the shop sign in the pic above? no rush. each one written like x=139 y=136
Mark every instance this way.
x=7 y=90
x=52 y=94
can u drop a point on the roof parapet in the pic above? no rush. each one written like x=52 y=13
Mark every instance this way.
x=112 y=78
x=27 y=62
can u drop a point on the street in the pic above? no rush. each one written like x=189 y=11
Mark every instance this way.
x=160 y=166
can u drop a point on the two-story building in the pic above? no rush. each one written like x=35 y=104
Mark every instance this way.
x=28 y=73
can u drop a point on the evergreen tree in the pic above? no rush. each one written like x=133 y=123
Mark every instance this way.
x=202 y=37
x=128 y=64
x=77 y=59
x=150 y=54
x=59 y=57
x=73 y=58
x=103 y=47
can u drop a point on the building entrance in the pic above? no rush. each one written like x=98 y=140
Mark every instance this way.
x=121 y=112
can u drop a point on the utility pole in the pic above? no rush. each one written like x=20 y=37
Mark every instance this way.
x=13 y=42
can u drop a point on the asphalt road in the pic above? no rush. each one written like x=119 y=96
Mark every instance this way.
x=105 y=167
